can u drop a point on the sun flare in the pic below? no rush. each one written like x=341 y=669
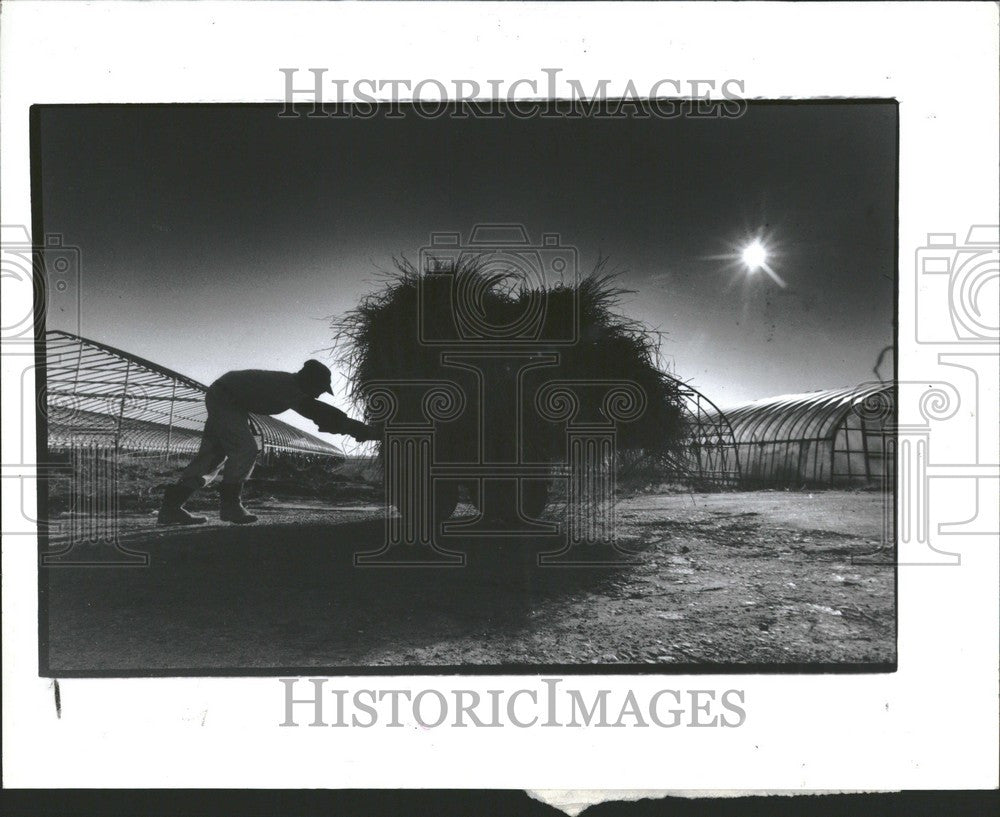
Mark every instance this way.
x=754 y=256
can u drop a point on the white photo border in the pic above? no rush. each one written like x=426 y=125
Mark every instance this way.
x=931 y=724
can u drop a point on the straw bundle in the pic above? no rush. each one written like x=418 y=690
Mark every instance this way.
x=379 y=340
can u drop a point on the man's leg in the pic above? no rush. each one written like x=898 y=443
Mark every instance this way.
x=196 y=475
x=241 y=454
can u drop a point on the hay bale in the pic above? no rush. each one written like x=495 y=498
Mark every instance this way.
x=379 y=340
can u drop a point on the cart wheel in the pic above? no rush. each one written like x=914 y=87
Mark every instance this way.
x=534 y=497
x=469 y=492
x=445 y=501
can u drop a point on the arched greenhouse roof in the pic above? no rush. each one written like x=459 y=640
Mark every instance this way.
x=95 y=392
x=808 y=416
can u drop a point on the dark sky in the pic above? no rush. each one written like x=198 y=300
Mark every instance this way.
x=220 y=237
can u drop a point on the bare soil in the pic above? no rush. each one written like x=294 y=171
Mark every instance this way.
x=773 y=579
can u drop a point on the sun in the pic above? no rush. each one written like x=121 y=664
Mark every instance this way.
x=753 y=251
x=754 y=256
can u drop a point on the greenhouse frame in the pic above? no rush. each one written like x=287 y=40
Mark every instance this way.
x=98 y=395
x=841 y=437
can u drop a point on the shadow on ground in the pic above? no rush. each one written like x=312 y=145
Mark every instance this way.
x=763 y=579
x=290 y=596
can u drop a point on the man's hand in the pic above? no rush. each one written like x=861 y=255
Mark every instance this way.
x=331 y=420
x=364 y=433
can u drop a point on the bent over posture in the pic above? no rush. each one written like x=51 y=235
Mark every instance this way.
x=228 y=443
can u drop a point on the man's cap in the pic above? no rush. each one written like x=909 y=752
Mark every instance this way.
x=318 y=374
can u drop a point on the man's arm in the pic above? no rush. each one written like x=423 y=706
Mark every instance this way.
x=331 y=420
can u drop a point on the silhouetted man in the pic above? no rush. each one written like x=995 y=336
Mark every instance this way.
x=228 y=444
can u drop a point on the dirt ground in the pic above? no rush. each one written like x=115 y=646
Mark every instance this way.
x=763 y=578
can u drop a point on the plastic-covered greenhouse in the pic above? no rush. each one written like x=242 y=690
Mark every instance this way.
x=824 y=438
x=102 y=396
x=97 y=395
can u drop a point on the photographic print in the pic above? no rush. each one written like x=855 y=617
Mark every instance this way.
x=482 y=388
x=581 y=401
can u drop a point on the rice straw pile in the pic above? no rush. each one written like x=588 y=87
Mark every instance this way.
x=378 y=340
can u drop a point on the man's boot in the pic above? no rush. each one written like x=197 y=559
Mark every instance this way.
x=172 y=510
x=231 y=508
